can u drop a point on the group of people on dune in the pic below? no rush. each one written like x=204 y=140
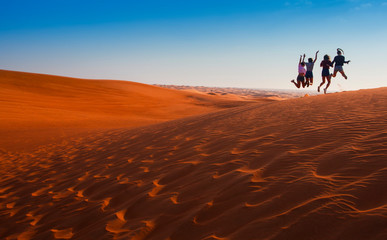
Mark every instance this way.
x=305 y=76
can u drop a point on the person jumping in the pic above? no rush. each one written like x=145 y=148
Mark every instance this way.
x=339 y=61
x=301 y=73
x=325 y=64
x=309 y=70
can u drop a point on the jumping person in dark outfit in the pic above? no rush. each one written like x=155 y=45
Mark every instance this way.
x=309 y=70
x=339 y=61
x=301 y=73
x=325 y=64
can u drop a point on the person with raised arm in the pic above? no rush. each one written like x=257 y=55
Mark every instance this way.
x=301 y=73
x=326 y=75
x=339 y=61
x=309 y=70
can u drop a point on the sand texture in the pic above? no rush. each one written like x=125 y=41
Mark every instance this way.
x=305 y=168
x=37 y=109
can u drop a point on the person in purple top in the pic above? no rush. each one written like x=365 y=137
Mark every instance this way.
x=339 y=61
x=301 y=74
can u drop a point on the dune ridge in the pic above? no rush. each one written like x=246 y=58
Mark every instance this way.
x=308 y=168
x=36 y=108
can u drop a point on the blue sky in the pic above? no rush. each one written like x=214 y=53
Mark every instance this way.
x=253 y=44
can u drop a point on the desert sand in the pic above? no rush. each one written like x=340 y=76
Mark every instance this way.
x=37 y=109
x=245 y=93
x=167 y=165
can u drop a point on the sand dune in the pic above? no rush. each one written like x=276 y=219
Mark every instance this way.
x=245 y=93
x=307 y=168
x=37 y=108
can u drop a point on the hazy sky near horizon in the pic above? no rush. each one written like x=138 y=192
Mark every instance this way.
x=250 y=44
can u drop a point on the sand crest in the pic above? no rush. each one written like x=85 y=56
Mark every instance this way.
x=38 y=109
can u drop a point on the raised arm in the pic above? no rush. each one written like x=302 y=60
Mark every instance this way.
x=300 y=60
x=303 y=59
x=315 y=58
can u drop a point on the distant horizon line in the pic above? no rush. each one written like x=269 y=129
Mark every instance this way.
x=178 y=85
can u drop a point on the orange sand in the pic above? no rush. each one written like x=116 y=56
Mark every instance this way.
x=37 y=109
x=307 y=168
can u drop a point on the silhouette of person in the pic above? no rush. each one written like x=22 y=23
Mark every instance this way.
x=301 y=73
x=325 y=64
x=339 y=61
x=309 y=70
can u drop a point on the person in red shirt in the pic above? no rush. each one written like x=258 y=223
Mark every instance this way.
x=326 y=75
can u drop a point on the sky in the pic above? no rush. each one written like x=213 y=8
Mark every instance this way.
x=223 y=43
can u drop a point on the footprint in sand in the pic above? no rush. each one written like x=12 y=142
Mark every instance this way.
x=120 y=176
x=144 y=231
x=60 y=195
x=121 y=215
x=124 y=180
x=116 y=226
x=256 y=174
x=156 y=189
x=83 y=177
x=98 y=176
x=63 y=234
x=41 y=191
x=80 y=193
x=105 y=203
x=174 y=198
x=35 y=219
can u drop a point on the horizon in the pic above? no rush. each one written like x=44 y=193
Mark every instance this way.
x=247 y=44
x=162 y=85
